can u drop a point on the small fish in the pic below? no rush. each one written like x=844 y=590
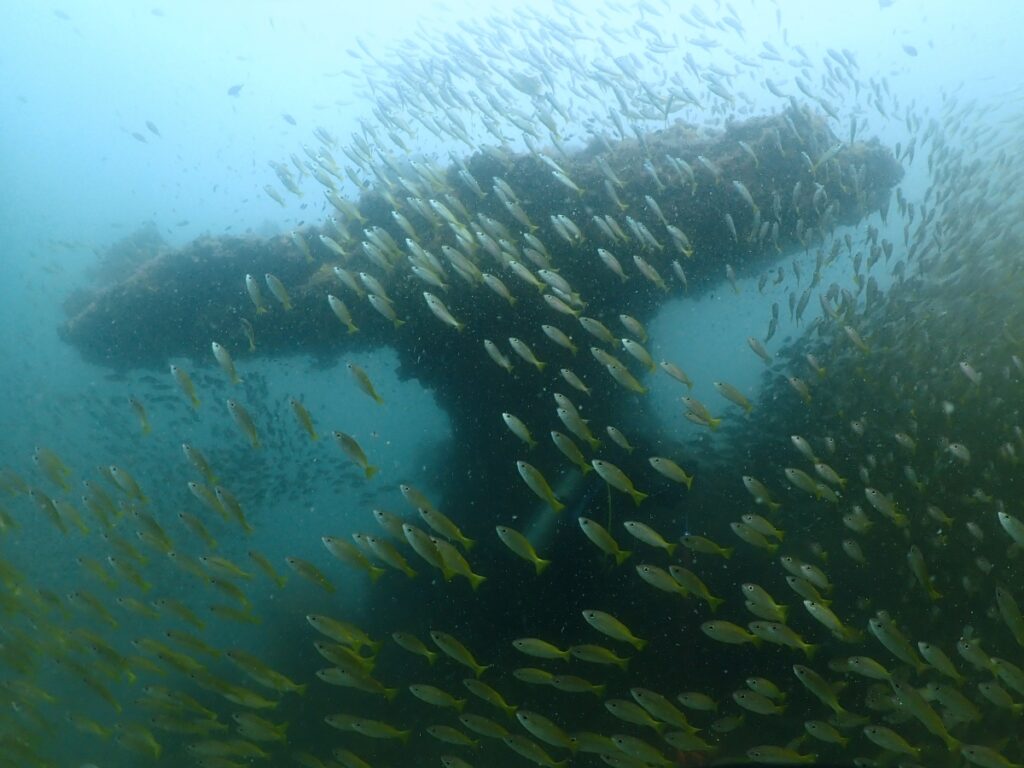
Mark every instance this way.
x=619 y=438
x=727 y=632
x=522 y=547
x=140 y=411
x=539 y=485
x=646 y=534
x=355 y=452
x=671 y=470
x=486 y=693
x=250 y=333
x=436 y=697
x=304 y=417
x=244 y=422
x=768 y=754
x=519 y=429
x=278 y=290
x=226 y=363
x=732 y=394
x=596 y=654
x=705 y=546
x=497 y=355
x=676 y=373
x=608 y=625
x=441 y=524
x=569 y=449
x=363 y=380
x=560 y=338
x=523 y=350
x=617 y=479
x=760 y=493
x=185 y=382
x=603 y=540
x=385 y=308
x=455 y=650
x=703 y=415
x=441 y=312
x=414 y=645
x=252 y=287
x=310 y=572
x=540 y=649
x=341 y=312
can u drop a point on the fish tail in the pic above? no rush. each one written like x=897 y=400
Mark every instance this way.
x=409 y=571
x=714 y=602
x=621 y=556
x=541 y=565
x=467 y=543
x=301 y=689
x=399 y=323
x=475 y=580
x=376 y=573
x=390 y=693
x=638 y=496
x=431 y=657
x=557 y=505
x=670 y=548
x=584 y=468
x=637 y=643
x=261 y=310
x=714 y=424
x=479 y=669
x=370 y=471
x=353 y=328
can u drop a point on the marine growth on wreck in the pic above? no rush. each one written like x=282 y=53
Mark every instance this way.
x=610 y=552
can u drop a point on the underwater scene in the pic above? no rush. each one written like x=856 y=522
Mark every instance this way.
x=503 y=384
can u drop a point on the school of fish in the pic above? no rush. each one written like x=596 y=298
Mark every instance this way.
x=859 y=602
